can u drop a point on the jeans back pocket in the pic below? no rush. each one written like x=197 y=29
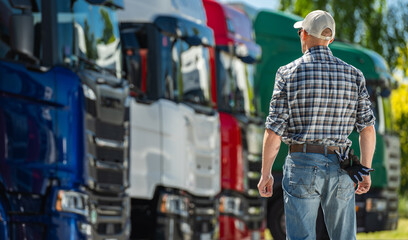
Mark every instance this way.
x=300 y=181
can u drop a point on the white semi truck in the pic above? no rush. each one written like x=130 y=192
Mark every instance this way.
x=174 y=129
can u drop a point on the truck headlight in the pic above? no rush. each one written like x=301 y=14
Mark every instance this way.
x=231 y=205
x=376 y=205
x=88 y=92
x=71 y=201
x=174 y=204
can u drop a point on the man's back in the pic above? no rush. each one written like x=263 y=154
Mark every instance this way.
x=323 y=94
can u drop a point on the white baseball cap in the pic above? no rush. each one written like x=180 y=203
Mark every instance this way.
x=316 y=22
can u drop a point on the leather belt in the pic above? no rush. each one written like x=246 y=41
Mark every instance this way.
x=310 y=148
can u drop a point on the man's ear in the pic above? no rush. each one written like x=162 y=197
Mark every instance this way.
x=304 y=35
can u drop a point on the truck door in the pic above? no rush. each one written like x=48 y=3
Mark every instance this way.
x=145 y=150
x=191 y=128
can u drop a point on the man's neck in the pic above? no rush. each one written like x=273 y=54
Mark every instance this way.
x=311 y=45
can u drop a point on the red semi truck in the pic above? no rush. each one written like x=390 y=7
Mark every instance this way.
x=241 y=211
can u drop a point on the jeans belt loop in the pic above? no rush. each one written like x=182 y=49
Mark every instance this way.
x=325 y=150
x=304 y=148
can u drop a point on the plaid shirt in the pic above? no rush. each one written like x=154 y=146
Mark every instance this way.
x=319 y=99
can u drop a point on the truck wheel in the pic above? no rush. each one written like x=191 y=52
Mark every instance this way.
x=276 y=220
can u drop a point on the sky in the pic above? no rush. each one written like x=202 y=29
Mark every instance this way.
x=264 y=4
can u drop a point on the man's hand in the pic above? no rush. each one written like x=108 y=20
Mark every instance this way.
x=265 y=186
x=357 y=172
x=364 y=186
x=351 y=163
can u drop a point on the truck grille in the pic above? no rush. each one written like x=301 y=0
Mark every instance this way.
x=252 y=143
x=107 y=176
x=106 y=128
x=256 y=212
x=204 y=215
x=110 y=154
x=254 y=162
x=393 y=158
x=111 y=215
x=107 y=156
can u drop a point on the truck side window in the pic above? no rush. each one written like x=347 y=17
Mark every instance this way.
x=134 y=54
x=172 y=75
x=195 y=74
x=225 y=81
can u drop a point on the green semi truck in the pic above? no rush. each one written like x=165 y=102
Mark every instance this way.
x=376 y=210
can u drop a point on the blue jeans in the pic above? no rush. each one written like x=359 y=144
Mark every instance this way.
x=311 y=179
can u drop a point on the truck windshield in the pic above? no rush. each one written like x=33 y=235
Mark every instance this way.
x=88 y=33
x=234 y=84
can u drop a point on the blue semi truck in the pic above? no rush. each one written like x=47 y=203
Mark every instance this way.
x=63 y=121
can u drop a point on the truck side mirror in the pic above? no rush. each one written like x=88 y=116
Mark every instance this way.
x=22 y=34
x=22 y=31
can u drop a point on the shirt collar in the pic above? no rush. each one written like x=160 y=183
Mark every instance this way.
x=319 y=52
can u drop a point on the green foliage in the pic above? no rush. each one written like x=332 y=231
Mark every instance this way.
x=107 y=36
x=403 y=206
x=399 y=100
x=91 y=51
x=375 y=24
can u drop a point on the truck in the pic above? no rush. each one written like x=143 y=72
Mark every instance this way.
x=376 y=210
x=241 y=211
x=174 y=129
x=63 y=121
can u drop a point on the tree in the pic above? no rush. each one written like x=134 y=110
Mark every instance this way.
x=108 y=36
x=376 y=24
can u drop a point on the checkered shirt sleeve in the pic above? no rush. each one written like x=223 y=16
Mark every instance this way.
x=278 y=109
x=364 y=116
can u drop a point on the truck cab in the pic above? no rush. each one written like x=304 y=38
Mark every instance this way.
x=63 y=121
x=236 y=53
x=174 y=129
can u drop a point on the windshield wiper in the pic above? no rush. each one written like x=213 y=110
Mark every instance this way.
x=96 y=66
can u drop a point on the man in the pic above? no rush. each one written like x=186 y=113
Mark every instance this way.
x=317 y=101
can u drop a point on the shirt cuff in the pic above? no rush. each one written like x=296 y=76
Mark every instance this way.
x=361 y=126
x=277 y=127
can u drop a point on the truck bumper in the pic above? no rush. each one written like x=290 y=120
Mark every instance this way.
x=205 y=226
x=63 y=225
x=241 y=217
x=56 y=226
x=173 y=227
x=232 y=228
